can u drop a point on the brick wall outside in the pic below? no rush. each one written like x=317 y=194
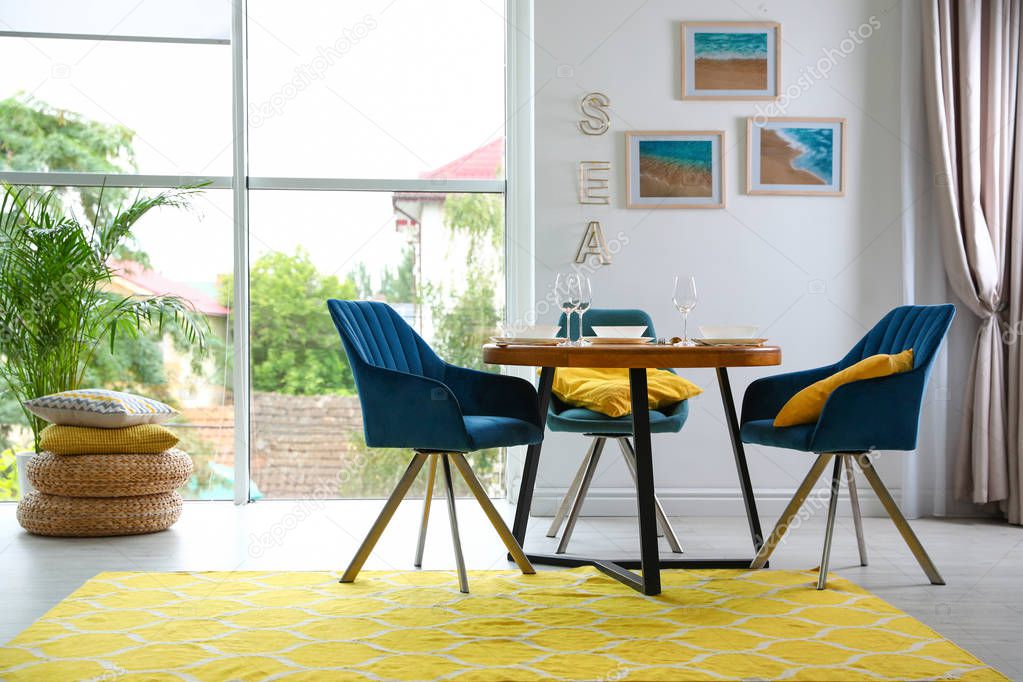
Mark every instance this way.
x=300 y=444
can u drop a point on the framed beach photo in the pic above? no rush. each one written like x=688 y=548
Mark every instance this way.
x=731 y=60
x=795 y=156
x=675 y=169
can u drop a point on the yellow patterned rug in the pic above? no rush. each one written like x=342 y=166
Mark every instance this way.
x=577 y=625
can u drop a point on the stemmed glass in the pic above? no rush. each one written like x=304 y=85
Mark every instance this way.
x=574 y=295
x=564 y=286
x=584 y=296
x=685 y=300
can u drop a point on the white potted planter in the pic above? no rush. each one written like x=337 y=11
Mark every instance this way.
x=24 y=485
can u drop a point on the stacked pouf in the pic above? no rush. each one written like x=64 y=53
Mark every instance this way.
x=99 y=481
x=113 y=494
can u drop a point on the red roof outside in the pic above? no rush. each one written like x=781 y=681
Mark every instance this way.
x=483 y=163
x=153 y=283
x=479 y=164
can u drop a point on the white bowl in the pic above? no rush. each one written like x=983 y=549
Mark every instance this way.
x=620 y=332
x=728 y=331
x=537 y=331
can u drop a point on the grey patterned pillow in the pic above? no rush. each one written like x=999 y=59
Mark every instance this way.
x=99 y=408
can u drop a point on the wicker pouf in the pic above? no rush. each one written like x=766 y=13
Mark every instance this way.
x=45 y=514
x=109 y=475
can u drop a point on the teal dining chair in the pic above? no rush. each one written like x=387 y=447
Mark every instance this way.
x=412 y=399
x=858 y=418
x=600 y=427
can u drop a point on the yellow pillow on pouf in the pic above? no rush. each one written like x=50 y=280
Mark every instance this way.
x=806 y=406
x=141 y=439
x=607 y=390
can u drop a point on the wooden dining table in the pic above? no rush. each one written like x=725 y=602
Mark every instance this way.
x=637 y=358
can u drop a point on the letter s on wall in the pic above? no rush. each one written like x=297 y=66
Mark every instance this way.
x=594 y=107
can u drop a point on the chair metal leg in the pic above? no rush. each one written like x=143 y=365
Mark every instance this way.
x=399 y=492
x=829 y=531
x=491 y=511
x=854 y=500
x=791 y=510
x=580 y=495
x=566 y=503
x=426 y=511
x=900 y=521
x=662 y=519
x=631 y=464
x=463 y=578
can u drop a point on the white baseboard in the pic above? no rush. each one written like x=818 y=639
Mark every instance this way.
x=701 y=501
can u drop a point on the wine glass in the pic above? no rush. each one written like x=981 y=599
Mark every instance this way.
x=585 y=296
x=685 y=300
x=566 y=292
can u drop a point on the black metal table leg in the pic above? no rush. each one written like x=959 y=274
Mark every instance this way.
x=650 y=582
x=645 y=482
x=740 y=459
x=529 y=467
x=649 y=562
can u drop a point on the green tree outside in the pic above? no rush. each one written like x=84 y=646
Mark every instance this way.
x=35 y=136
x=400 y=286
x=466 y=319
x=294 y=346
x=397 y=286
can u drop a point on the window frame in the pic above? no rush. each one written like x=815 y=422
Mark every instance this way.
x=517 y=188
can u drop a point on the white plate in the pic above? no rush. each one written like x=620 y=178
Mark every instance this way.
x=728 y=331
x=598 y=340
x=619 y=332
x=731 y=342
x=523 y=341
x=536 y=331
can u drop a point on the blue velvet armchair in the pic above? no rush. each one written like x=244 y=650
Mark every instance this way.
x=599 y=427
x=412 y=399
x=858 y=418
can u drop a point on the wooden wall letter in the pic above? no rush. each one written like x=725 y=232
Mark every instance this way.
x=593 y=244
x=594 y=180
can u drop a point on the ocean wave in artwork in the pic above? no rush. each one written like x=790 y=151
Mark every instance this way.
x=730 y=45
x=676 y=168
x=815 y=147
x=730 y=61
x=691 y=153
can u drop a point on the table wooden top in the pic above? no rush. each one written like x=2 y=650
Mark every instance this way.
x=630 y=355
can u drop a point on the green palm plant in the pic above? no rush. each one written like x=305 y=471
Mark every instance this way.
x=56 y=307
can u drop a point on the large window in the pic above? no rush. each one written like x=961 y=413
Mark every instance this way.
x=407 y=96
x=435 y=257
x=374 y=168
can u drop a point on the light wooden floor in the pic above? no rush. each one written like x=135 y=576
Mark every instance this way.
x=981 y=608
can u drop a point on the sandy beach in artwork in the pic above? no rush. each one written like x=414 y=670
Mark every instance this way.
x=776 y=157
x=730 y=74
x=665 y=178
x=730 y=60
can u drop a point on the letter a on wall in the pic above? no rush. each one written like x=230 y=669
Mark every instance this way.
x=593 y=244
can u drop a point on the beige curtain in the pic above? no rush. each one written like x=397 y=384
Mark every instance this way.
x=972 y=66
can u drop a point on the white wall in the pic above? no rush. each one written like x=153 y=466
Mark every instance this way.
x=760 y=260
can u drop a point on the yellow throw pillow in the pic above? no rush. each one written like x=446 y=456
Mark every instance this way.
x=142 y=439
x=806 y=406
x=607 y=390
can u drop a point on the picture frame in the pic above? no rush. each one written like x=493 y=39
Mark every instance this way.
x=675 y=169
x=730 y=60
x=794 y=155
